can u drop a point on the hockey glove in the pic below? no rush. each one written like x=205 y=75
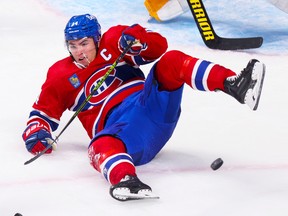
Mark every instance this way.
x=134 y=34
x=37 y=138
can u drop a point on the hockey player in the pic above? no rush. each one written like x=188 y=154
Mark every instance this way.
x=131 y=117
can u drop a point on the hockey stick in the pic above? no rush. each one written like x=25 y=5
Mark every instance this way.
x=209 y=36
x=83 y=103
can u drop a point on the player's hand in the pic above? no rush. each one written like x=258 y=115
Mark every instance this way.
x=37 y=138
x=133 y=34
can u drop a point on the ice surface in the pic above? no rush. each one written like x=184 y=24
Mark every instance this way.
x=253 y=145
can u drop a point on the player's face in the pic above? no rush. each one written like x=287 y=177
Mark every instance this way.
x=83 y=50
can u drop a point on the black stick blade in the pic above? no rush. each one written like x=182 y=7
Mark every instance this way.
x=234 y=43
x=209 y=36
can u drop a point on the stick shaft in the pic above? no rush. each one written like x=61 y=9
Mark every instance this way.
x=99 y=84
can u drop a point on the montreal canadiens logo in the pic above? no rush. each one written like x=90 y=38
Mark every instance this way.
x=107 y=87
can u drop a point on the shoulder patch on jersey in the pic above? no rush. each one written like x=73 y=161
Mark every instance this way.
x=74 y=80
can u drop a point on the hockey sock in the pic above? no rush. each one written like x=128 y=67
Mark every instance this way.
x=176 y=68
x=108 y=155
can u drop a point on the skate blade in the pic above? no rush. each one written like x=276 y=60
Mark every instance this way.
x=253 y=95
x=124 y=195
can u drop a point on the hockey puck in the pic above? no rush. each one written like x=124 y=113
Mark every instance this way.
x=18 y=214
x=217 y=164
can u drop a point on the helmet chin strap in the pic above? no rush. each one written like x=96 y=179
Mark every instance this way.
x=79 y=65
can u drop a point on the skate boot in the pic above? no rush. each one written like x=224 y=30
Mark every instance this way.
x=247 y=86
x=131 y=188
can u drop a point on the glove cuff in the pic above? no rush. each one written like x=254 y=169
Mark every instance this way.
x=34 y=127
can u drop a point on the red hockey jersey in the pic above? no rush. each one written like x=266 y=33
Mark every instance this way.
x=67 y=86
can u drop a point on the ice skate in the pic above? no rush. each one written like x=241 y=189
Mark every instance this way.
x=247 y=86
x=131 y=188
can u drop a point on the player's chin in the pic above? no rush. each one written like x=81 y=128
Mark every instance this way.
x=83 y=62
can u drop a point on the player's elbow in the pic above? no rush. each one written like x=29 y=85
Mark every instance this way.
x=162 y=46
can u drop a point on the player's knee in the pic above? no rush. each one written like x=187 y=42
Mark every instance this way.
x=173 y=58
x=102 y=148
x=168 y=70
